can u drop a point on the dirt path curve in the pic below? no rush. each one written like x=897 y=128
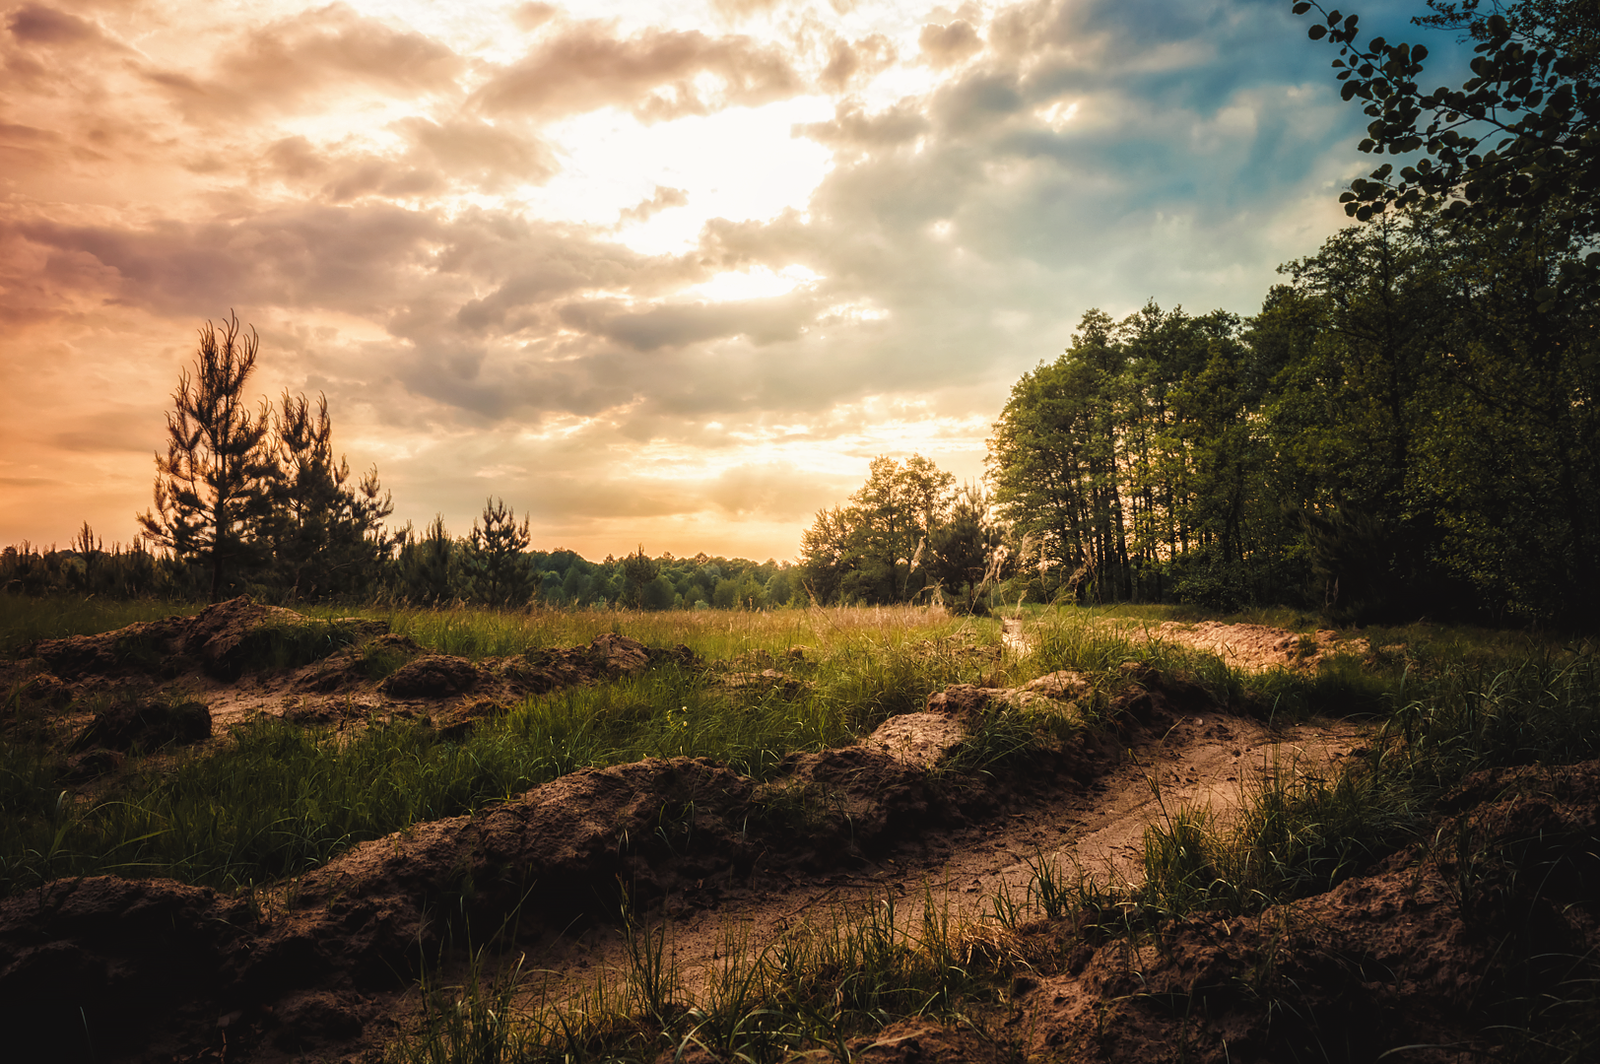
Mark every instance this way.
x=1209 y=761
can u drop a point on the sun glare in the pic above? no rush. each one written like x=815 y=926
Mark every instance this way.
x=740 y=164
x=758 y=282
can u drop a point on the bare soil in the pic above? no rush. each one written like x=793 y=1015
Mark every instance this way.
x=326 y=967
x=1257 y=647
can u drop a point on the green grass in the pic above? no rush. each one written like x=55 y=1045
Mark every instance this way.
x=25 y=620
x=281 y=799
x=846 y=971
x=1302 y=834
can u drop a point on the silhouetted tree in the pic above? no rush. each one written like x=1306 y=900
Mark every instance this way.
x=215 y=471
x=426 y=565
x=326 y=534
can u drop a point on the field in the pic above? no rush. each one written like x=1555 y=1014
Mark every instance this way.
x=856 y=834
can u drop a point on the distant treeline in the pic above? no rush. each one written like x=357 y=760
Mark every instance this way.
x=434 y=569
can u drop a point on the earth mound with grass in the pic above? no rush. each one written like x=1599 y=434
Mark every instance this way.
x=1501 y=905
x=1255 y=647
x=224 y=641
x=153 y=968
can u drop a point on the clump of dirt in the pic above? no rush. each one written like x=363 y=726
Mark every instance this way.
x=431 y=676
x=1427 y=950
x=542 y=669
x=146 y=723
x=224 y=640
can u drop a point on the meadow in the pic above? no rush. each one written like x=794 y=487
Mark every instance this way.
x=276 y=800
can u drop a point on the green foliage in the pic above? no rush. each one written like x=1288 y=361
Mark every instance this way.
x=1403 y=430
x=495 y=567
x=964 y=550
x=639 y=570
x=259 y=501
x=873 y=550
x=1517 y=140
x=324 y=534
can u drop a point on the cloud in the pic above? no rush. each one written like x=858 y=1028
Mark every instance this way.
x=663 y=199
x=944 y=46
x=419 y=230
x=778 y=491
x=439 y=156
x=39 y=25
x=763 y=321
x=851 y=61
x=293 y=63
x=657 y=74
x=853 y=127
x=529 y=17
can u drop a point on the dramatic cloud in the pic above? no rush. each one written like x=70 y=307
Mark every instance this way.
x=657 y=74
x=670 y=279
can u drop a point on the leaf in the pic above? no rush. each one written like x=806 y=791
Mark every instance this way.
x=1316 y=33
x=1301 y=8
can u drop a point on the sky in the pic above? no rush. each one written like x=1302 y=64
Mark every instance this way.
x=665 y=274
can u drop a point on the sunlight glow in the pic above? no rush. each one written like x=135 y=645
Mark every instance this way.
x=1058 y=114
x=739 y=164
x=758 y=282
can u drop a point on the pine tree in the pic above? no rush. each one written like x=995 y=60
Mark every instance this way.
x=327 y=535
x=215 y=472
x=497 y=567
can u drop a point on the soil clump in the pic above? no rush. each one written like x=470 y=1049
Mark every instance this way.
x=1428 y=949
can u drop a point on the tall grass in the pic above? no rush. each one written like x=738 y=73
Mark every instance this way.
x=24 y=619
x=1301 y=834
x=848 y=970
x=280 y=799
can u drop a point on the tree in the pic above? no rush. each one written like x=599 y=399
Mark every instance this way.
x=1054 y=460
x=872 y=549
x=962 y=549
x=427 y=566
x=496 y=567
x=325 y=533
x=1517 y=140
x=639 y=570
x=215 y=471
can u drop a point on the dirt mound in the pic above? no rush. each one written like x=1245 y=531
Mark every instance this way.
x=765 y=680
x=432 y=676
x=1428 y=950
x=224 y=640
x=542 y=669
x=152 y=968
x=147 y=724
x=107 y=968
x=920 y=739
